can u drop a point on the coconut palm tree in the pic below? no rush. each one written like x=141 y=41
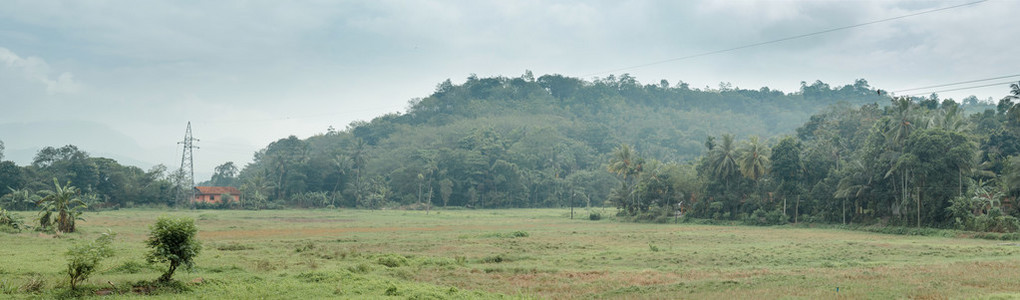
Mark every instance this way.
x=854 y=185
x=62 y=201
x=754 y=159
x=722 y=160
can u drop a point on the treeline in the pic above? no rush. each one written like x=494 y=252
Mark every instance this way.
x=102 y=183
x=917 y=162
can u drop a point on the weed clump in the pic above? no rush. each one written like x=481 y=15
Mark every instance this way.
x=84 y=258
x=131 y=267
x=392 y=260
x=234 y=247
x=361 y=268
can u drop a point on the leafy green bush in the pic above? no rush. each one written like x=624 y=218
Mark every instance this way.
x=978 y=214
x=173 y=241
x=84 y=258
x=9 y=222
x=392 y=260
x=762 y=218
x=594 y=216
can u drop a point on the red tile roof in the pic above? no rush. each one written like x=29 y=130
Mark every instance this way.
x=217 y=190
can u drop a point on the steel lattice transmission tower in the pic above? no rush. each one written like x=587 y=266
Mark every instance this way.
x=187 y=167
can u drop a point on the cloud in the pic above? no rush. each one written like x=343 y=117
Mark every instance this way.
x=37 y=70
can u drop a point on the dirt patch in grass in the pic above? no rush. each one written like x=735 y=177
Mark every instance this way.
x=318 y=232
x=311 y=220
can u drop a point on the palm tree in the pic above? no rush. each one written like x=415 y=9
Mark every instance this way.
x=624 y=162
x=627 y=165
x=723 y=160
x=854 y=185
x=901 y=122
x=754 y=159
x=63 y=201
x=21 y=199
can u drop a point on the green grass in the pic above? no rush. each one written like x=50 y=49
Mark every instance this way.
x=534 y=253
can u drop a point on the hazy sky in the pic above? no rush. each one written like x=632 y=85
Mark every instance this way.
x=246 y=73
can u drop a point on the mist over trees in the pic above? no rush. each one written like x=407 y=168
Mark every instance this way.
x=841 y=154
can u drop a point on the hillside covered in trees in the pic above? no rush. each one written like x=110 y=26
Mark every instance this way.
x=521 y=142
x=834 y=154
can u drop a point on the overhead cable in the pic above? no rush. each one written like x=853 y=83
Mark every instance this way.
x=784 y=39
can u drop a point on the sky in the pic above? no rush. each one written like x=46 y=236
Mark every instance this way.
x=123 y=78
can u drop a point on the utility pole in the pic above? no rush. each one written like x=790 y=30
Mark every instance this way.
x=188 y=167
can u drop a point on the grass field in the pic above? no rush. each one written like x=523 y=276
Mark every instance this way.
x=534 y=253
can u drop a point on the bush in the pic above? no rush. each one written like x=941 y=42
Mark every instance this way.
x=594 y=216
x=173 y=241
x=9 y=222
x=84 y=258
x=392 y=260
x=763 y=218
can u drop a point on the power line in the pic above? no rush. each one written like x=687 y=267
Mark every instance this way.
x=785 y=39
x=955 y=83
x=310 y=116
x=962 y=88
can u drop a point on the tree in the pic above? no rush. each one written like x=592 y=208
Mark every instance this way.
x=64 y=201
x=84 y=258
x=854 y=184
x=19 y=199
x=722 y=160
x=1 y=150
x=627 y=165
x=11 y=177
x=172 y=240
x=786 y=167
x=445 y=190
x=255 y=191
x=224 y=175
x=754 y=160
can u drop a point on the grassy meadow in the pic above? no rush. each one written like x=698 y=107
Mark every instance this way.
x=526 y=253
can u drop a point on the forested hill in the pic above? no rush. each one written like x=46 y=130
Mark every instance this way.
x=662 y=120
x=522 y=142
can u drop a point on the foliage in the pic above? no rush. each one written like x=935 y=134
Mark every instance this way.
x=10 y=222
x=84 y=258
x=173 y=241
x=63 y=201
x=761 y=217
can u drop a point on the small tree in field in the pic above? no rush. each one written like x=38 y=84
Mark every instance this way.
x=84 y=258
x=173 y=241
x=62 y=201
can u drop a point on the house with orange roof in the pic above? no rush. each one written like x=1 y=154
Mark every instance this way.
x=215 y=194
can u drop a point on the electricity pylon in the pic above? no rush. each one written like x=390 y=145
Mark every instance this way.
x=187 y=170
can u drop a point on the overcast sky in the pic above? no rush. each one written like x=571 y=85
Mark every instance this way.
x=247 y=73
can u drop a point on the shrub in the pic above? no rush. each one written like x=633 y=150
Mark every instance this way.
x=392 y=260
x=173 y=241
x=766 y=218
x=9 y=222
x=84 y=258
x=594 y=216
